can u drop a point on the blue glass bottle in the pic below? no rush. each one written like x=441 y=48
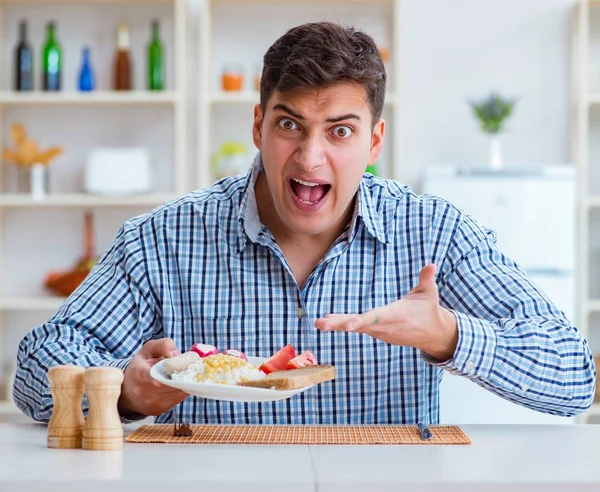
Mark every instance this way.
x=86 y=74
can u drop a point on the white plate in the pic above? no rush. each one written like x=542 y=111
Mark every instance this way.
x=225 y=392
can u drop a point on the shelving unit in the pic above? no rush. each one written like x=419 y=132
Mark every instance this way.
x=170 y=104
x=254 y=97
x=15 y=200
x=31 y=303
x=586 y=100
x=8 y=408
x=224 y=21
x=98 y=97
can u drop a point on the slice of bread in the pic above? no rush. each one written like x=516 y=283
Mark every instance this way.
x=294 y=378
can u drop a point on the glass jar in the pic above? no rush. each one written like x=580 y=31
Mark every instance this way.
x=230 y=160
x=232 y=79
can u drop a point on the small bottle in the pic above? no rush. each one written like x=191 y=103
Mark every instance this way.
x=122 y=64
x=23 y=61
x=86 y=74
x=156 y=66
x=51 y=61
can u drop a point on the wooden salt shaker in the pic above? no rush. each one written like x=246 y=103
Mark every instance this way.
x=66 y=422
x=103 y=429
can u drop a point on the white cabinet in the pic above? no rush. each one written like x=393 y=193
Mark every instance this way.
x=534 y=214
x=535 y=217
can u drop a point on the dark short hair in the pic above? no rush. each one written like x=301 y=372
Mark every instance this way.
x=321 y=54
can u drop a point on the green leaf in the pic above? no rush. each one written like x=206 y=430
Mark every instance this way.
x=492 y=112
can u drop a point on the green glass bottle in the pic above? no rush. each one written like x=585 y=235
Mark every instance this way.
x=51 y=61
x=156 y=66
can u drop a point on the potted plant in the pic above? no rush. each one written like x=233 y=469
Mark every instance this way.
x=32 y=161
x=491 y=114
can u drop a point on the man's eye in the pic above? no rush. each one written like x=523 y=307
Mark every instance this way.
x=342 y=131
x=287 y=124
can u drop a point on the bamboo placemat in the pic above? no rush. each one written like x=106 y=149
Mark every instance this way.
x=298 y=434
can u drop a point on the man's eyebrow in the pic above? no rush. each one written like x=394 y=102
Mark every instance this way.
x=348 y=116
x=283 y=107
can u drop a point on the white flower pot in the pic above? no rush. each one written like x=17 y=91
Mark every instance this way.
x=495 y=153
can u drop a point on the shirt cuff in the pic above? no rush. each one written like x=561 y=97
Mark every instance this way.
x=118 y=363
x=475 y=351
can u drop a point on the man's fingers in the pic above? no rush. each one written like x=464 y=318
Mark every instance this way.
x=144 y=374
x=333 y=322
x=161 y=348
x=148 y=381
x=427 y=275
x=350 y=322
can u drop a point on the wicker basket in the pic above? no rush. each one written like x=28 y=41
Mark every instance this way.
x=65 y=284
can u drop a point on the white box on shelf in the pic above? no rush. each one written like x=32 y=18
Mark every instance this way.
x=117 y=171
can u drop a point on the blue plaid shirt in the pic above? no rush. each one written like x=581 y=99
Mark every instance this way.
x=203 y=269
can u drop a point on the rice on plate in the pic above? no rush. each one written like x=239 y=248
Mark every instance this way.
x=219 y=369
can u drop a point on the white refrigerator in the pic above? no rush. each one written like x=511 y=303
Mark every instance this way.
x=534 y=214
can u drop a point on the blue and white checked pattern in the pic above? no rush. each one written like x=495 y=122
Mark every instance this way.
x=203 y=269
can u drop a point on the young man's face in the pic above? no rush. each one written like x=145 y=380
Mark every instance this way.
x=315 y=146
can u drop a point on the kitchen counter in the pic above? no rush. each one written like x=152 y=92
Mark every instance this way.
x=534 y=458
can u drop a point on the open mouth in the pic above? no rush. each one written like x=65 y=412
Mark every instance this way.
x=308 y=192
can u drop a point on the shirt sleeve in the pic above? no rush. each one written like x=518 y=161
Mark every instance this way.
x=511 y=339
x=103 y=323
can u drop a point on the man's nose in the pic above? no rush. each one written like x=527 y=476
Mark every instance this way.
x=311 y=153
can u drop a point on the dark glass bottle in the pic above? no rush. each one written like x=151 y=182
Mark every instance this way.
x=23 y=61
x=156 y=67
x=122 y=64
x=51 y=61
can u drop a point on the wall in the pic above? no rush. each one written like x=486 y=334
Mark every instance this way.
x=460 y=50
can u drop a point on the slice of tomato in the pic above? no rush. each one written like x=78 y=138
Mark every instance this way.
x=305 y=359
x=279 y=360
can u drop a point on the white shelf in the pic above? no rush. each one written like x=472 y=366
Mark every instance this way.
x=83 y=200
x=254 y=98
x=593 y=411
x=38 y=98
x=592 y=201
x=30 y=303
x=217 y=2
x=593 y=306
x=8 y=408
x=84 y=2
x=234 y=98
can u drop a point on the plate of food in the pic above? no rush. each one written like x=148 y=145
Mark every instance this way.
x=231 y=375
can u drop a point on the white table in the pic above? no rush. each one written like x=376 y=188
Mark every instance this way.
x=544 y=458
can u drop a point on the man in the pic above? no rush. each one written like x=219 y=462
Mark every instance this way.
x=389 y=287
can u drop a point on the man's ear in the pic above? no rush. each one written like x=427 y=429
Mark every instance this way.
x=257 y=126
x=377 y=141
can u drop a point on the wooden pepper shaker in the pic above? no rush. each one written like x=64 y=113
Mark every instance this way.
x=103 y=429
x=67 y=420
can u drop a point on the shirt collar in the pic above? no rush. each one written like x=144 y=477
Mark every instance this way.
x=249 y=219
x=368 y=211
